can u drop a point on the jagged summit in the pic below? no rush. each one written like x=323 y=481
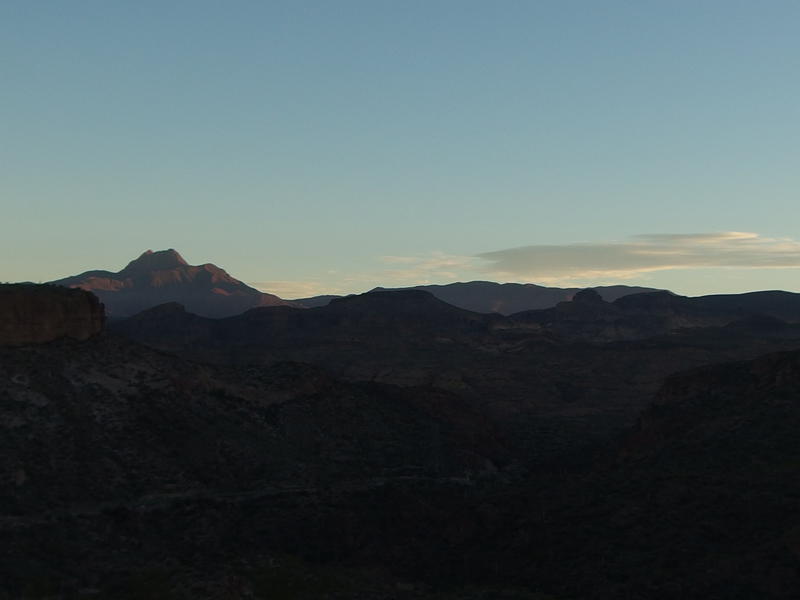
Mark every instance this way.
x=164 y=276
x=156 y=261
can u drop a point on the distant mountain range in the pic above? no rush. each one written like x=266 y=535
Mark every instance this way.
x=549 y=378
x=503 y=298
x=164 y=276
x=209 y=291
x=356 y=336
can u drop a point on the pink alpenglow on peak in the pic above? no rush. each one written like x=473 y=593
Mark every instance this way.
x=157 y=277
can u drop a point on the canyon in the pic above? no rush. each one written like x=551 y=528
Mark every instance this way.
x=391 y=445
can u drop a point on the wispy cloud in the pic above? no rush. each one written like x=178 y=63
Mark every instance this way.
x=388 y=271
x=558 y=264
x=643 y=254
x=428 y=268
x=294 y=289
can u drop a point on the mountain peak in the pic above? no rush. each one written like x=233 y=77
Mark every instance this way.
x=156 y=261
x=164 y=276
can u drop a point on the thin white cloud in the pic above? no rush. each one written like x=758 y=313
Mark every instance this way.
x=429 y=268
x=643 y=254
x=577 y=264
x=392 y=271
x=294 y=289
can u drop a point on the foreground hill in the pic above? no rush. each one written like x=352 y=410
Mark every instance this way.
x=164 y=276
x=503 y=298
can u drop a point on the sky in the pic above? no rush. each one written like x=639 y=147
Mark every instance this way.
x=316 y=147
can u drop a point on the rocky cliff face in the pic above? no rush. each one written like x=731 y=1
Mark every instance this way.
x=34 y=314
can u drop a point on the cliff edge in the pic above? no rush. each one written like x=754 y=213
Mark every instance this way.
x=35 y=314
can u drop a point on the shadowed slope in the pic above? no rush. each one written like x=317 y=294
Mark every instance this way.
x=700 y=501
x=117 y=458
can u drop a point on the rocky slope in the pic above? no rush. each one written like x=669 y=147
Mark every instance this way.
x=698 y=501
x=164 y=276
x=34 y=314
x=107 y=445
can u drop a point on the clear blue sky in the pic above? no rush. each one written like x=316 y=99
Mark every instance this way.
x=337 y=145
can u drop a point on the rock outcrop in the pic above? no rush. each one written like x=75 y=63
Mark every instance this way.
x=35 y=314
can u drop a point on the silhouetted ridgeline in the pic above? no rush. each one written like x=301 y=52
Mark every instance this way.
x=33 y=314
x=503 y=298
x=207 y=290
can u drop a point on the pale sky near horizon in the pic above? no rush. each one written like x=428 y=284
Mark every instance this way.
x=315 y=146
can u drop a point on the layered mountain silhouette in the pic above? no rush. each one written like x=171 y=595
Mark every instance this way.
x=553 y=379
x=394 y=318
x=390 y=446
x=589 y=318
x=503 y=298
x=164 y=276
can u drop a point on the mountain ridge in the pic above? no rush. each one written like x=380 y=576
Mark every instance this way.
x=502 y=298
x=162 y=276
x=165 y=276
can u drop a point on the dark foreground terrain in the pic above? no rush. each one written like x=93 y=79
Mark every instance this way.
x=392 y=446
